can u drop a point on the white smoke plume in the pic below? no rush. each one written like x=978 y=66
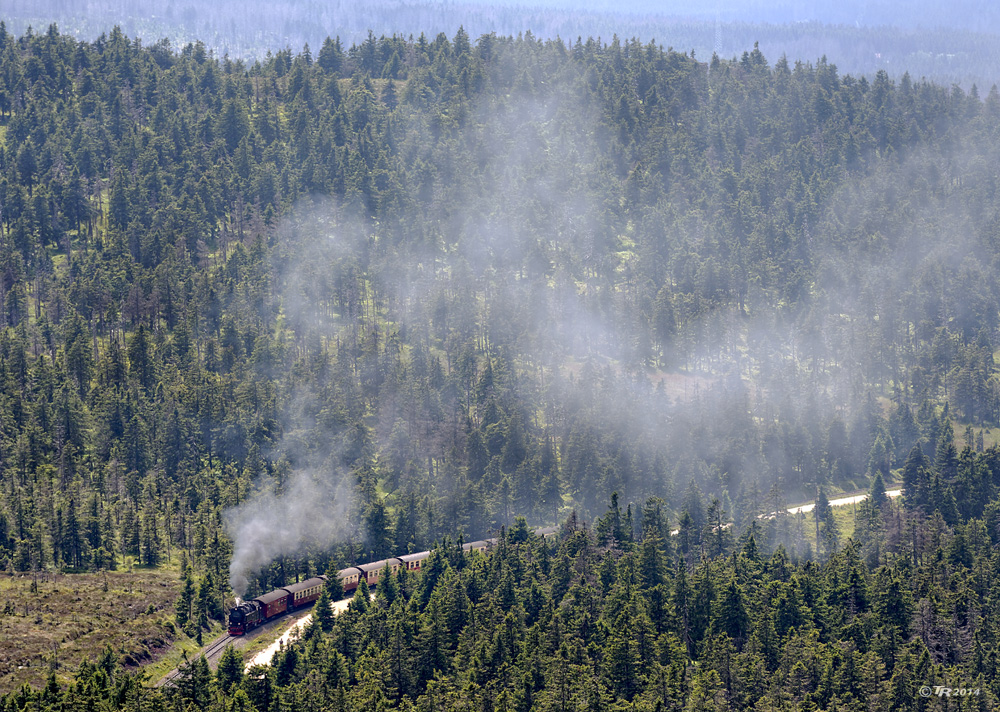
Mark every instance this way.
x=308 y=498
x=314 y=509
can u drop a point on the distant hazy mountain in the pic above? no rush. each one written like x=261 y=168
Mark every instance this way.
x=979 y=15
x=957 y=42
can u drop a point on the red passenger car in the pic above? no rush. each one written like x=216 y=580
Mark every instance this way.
x=304 y=592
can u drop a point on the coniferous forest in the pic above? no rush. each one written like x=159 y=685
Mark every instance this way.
x=272 y=319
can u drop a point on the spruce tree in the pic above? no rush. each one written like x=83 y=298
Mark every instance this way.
x=388 y=587
x=916 y=480
x=186 y=600
x=334 y=584
x=230 y=670
x=322 y=612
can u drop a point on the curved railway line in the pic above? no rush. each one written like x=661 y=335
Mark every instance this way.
x=209 y=652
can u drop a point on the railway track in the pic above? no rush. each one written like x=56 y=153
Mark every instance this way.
x=214 y=648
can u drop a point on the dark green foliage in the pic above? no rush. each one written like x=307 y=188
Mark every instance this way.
x=827 y=536
x=759 y=634
x=230 y=670
x=322 y=614
x=151 y=260
x=194 y=684
x=333 y=583
x=475 y=281
x=186 y=600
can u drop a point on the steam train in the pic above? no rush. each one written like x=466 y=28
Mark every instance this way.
x=250 y=614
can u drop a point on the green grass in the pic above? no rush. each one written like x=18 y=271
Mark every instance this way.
x=845 y=518
x=991 y=436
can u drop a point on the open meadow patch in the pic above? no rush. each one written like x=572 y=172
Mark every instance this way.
x=53 y=621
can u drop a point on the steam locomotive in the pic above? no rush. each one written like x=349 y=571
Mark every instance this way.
x=250 y=614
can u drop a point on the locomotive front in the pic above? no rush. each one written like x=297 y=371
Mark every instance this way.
x=244 y=617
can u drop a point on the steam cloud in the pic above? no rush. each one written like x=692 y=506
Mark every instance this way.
x=309 y=500
x=312 y=510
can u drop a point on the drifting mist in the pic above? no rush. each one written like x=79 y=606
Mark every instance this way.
x=559 y=298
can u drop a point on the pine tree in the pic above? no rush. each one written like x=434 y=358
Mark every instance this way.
x=203 y=602
x=377 y=528
x=140 y=359
x=194 y=684
x=150 y=549
x=916 y=480
x=334 y=584
x=652 y=564
x=359 y=603
x=827 y=537
x=388 y=587
x=323 y=613
x=186 y=600
x=682 y=601
x=72 y=539
x=400 y=653
x=405 y=531
x=877 y=494
x=622 y=657
x=229 y=673
x=732 y=618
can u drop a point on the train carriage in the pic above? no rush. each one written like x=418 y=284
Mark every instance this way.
x=274 y=603
x=252 y=613
x=374 y=570
x=478 y=545
x=305 y=592
x=350 y=578
x=414 y=562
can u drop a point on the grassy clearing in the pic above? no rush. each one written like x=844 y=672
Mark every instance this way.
x=56 y=621
x=844 y=516
x=991 y=436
